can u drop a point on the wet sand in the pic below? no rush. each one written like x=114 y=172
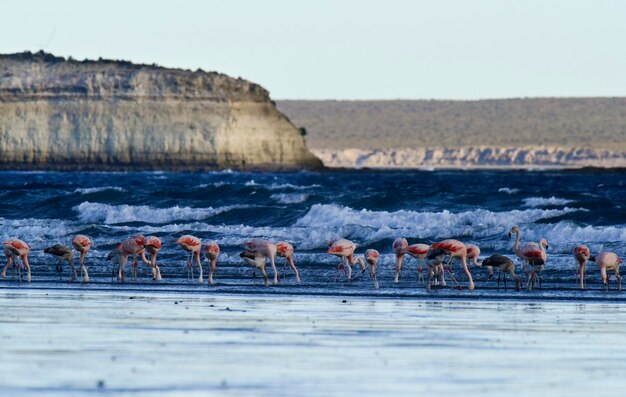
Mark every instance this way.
x=141 y=343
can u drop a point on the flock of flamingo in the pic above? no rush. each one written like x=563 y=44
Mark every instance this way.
x=259 y=251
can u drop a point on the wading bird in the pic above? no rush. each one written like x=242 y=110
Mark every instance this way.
x=344 y=249
x=581 y=254
x=82 y=244
x=268 y=249
x=15 y=248
x=63 y=253
x=257 y=261
x=533 y=254
x=608 y=261
x=285 y=250
x=371 y=257
x=193 y=245
x=133 y=246
x=153 y=246
x=211 y=252
x=419 y=251
x=399 y=246
x=456 y=249
x=504 y=265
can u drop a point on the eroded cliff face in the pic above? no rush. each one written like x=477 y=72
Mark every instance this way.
x=102 y=115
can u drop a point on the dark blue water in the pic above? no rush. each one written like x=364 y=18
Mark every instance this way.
x=309 y=209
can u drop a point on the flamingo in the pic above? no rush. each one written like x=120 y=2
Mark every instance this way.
x=504 y=265
x=371 y=257
x=533 y=254
x=114 y=257
x=285 y=250
x=193 y=245
x=212 y=252
x=473 y=252
x=581 y=254
x=419 y=251
x=82 y=244
x=608 y=261
x=399 y=246
x=434 y=261
x=268 y=249
x=131 y=246
x=344 y=249
x=257 y=260
x=153 y=246
x=63 y=253
x=16 y=248
x=456 y=249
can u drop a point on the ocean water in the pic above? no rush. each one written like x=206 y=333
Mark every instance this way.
x=310 y=209
x=178 y=337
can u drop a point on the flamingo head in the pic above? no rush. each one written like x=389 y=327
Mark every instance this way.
x=543 y=242
x=513 y=231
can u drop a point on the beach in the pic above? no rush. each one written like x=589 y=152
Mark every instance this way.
x=66 y=343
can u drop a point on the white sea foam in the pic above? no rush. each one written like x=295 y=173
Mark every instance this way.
x=508 y=190
x=36 y=230
x=545 y=201
x=281 y=186
x=113 y=214
x=290 y=198
x=90 y=190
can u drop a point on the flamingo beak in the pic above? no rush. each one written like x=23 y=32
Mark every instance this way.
x=547 y=246
x=509 y=235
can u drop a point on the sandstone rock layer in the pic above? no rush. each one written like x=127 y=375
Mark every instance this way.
x=114 y=115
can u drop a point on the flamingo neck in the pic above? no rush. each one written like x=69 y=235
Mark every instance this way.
x=516 y=245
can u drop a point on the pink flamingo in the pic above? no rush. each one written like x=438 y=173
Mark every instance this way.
x=419 y=251
x=193 y=245
x=153 y=246
x=371 y=257
x=131 y=246
x=82 y=244
x=344 y=249
x=212 y=252
x=608 y=261
x=285 y=250
x=581 y=254
x=473 y=252
x=16 y=248
x=399 y=246
x=533 y=254
x=266 y=248
x=456 y=249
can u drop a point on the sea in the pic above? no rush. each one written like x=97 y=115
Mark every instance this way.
x=319 y=337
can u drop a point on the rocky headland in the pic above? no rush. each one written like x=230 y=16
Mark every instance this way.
x=63 y=114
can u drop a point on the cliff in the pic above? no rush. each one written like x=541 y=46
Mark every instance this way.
x=115 y=115
x=523 y=157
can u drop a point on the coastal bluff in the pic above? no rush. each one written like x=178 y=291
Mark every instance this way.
x=63 y=114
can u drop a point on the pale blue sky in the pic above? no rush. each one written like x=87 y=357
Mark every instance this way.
x=348 y=49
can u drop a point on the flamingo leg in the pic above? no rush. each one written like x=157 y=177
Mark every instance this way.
x=266 y=279
x=200 y=279
x=349 y=269
x=399 y=260
x=83 y=268
x=9 y=263
x=25 y=260
x=212 y=267
x=295 y=269
x=273 y=262
x=123 y=261
x=420 y=273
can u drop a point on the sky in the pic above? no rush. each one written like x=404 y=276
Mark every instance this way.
x=348 y=49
